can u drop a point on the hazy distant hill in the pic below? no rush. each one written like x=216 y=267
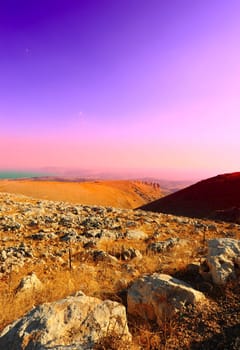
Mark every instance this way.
x=202 y=199
x=123 y=194
x=169 y=186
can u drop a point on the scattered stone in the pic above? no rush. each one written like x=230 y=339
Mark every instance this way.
x=93 y=233
x=136 y=234
x=163 y=246
x=3 y=255
x=33 y=223
x=60 y=232
x=89 y=245
x=155 y=297
x=100 y=255
x=38 y=236
x=29 y=283
x=212 y=227
x=66 y=222
x=76 y=322
x=69 y=237
x=11 y=257
x=223 y=260
x=128 y=254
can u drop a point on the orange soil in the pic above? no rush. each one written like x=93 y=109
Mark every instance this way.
x=122 y=194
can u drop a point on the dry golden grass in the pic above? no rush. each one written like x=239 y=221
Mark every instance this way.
x=99 y=279
x=104 y=279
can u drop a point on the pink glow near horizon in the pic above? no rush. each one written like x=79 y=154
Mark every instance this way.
x=150 y=87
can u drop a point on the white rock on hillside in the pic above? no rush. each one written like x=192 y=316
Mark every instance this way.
x=76 y=322
x=136 y=234
x=223 y=259
x=29 y=283
x=154 y=297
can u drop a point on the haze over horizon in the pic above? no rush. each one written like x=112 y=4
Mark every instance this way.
x=149 y=86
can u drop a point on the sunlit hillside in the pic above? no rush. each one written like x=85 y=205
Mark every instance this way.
x=122 y=194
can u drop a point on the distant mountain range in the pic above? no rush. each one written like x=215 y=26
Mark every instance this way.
x=61 y=175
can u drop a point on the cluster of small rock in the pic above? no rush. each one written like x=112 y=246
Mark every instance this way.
x=81 y=321
x=51 y=221
x=11 y=258
x=45 y=220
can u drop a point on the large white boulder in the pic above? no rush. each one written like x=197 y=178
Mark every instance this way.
x=223 y=260
x=154 y=297
x=76 y=322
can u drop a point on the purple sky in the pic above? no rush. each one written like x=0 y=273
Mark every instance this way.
x=152 y=86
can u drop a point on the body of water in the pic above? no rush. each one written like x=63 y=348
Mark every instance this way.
x=18 y=174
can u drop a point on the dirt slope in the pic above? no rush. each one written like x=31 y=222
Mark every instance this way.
x=122 y=194
x=201 y=199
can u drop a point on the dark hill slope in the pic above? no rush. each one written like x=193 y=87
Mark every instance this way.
x=202 y=199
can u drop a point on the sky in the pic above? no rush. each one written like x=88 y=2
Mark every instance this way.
x=148 y=87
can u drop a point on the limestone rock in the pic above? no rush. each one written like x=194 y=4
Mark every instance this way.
x=29 y=283
x=154 y=297
x=76 y=322
x=128 y=254
x=163 y=246
x=223 y=260
x=3 y=255
x=100 y=255
x=136 y=234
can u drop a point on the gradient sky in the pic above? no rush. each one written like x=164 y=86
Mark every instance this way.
x=152 y=86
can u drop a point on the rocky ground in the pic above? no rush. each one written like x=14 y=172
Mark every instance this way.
x=91 y=277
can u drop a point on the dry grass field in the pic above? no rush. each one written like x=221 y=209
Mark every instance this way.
x=66 y=266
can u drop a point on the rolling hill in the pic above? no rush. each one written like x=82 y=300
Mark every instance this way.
x=215 y=197
x=122 y=194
